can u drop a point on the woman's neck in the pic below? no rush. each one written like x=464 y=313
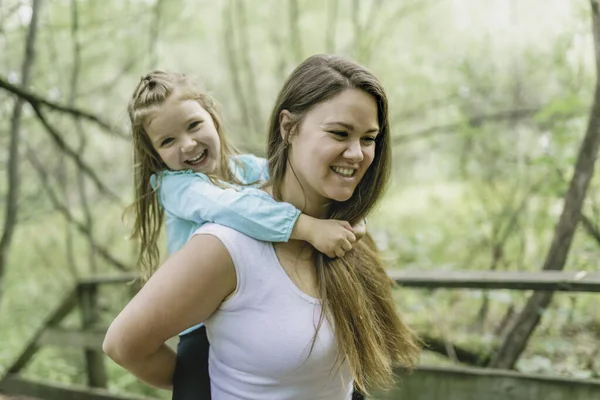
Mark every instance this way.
x=301 y=198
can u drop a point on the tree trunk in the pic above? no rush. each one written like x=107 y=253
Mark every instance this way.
x=232 y=64
x=10 y=220
x=516 y=339
x=81 y=182
x=331 y=25
x=250 y=77
x=294 y=21
x=154 y=31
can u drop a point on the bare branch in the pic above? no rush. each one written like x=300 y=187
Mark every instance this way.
x=36 y=100
x=106 y=86
x=590 y=228
x=461 y=354
x=104 y=253
x=421 y=109
x=71 y=153
x=11 y=210
x=475 y=121
x=371 y=38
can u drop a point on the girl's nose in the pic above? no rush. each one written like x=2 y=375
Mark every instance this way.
x=188 y=145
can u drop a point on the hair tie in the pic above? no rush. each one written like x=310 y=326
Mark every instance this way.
x=149 y=81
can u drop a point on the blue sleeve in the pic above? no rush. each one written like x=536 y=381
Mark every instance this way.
x=255 y=168
x=193 y=197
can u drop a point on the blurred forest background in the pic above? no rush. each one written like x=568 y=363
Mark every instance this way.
x=490 y=100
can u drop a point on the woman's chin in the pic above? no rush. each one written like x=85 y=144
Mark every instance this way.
x=340 y=195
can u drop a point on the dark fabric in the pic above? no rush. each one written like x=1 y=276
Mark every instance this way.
x=357 y=395
x=191 y=380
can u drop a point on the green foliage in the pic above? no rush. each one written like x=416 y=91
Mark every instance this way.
x=489 y=176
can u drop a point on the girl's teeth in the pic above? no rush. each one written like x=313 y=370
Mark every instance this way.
x=348 y=172
x=198 y=158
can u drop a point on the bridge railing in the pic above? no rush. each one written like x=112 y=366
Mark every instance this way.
x=431 y=383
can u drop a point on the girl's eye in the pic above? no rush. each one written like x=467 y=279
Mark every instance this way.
x=193 y=125
x=166 y=142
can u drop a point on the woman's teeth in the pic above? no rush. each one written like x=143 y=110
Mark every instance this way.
x=345 y=172
x=198 y=159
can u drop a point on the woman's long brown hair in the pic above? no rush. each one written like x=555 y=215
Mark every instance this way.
x=150 y=93
x=355 y=290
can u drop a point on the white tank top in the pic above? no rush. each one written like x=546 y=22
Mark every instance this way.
x=261 y=336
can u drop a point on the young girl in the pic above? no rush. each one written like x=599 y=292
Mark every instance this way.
x=186 y=169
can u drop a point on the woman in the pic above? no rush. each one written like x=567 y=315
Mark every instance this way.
x=285 y=322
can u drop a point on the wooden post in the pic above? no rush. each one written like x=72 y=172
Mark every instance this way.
x=67 y=304
x=94 y=359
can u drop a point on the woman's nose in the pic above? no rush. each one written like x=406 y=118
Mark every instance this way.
x=353 y=152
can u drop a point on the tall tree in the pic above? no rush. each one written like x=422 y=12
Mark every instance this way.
x=11 y=210
x=523 y=326
x=332 y=13
x=154 y=32
x=294 y=23
x=81 y=182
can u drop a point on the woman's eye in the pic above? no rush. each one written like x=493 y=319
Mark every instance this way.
x=369 y=139
x=166 y=141
x=340 y=134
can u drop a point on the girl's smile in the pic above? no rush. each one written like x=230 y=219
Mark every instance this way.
x=184 y=135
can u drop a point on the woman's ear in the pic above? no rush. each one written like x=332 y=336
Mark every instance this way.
x=285 y=124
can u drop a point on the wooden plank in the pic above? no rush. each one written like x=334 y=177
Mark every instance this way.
x=455 y=383
x=15 y=385
x=91 y=340
x=65 y=306
x=580 y=281
x=546 y=280
x=109 y=279
x=94 y=358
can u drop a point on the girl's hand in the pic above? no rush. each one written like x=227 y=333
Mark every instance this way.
x=332 y=237
x=360 y=228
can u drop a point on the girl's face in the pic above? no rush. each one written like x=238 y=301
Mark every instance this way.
x=334 y=146
x=184 y=135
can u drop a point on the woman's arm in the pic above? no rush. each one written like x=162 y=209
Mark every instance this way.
x=186 y=289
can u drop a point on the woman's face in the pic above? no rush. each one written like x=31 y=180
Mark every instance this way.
x=184 y=135
x=334 y=146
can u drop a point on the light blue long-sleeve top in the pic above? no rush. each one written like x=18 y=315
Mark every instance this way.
x=190 y=200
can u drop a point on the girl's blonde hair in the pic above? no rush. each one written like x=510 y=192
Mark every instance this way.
x=355 y=290
x=150 y=93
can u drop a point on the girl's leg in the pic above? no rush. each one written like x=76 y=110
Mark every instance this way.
x=191 y=380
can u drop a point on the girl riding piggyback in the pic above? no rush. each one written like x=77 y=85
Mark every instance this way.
x=186 y=169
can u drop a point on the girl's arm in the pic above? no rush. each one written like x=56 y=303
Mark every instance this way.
x=193 y=281
x=193 y=197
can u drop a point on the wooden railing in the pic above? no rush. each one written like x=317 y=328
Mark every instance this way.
x=550 y=280
x=85 y=297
